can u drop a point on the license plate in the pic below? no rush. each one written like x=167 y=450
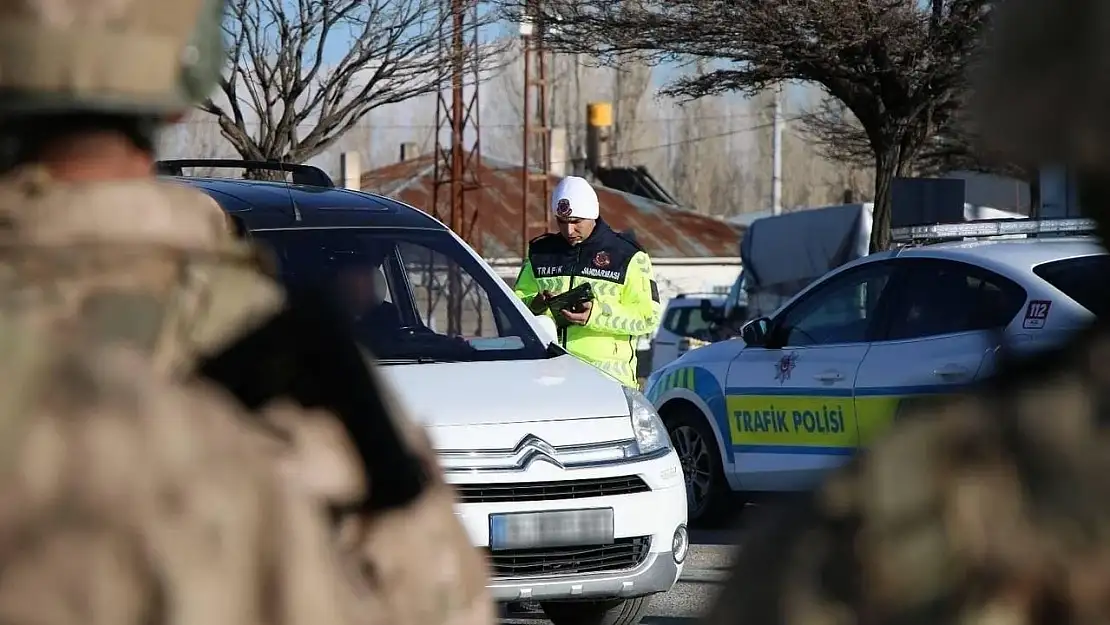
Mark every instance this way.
x=559 y=528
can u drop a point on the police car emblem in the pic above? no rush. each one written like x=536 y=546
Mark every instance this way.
x=601 y=260
x=562 y=208
x=784 y=366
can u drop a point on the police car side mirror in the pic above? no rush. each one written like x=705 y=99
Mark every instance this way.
x=755 y=331
x=547 y=330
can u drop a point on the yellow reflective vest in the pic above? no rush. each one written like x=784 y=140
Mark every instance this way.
x=626 y=297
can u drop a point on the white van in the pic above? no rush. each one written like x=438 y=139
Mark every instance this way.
x=566 y=479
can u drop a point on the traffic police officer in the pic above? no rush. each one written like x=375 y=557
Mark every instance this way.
x=586 y=250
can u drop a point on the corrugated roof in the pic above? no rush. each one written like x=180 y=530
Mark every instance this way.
x=665 y=231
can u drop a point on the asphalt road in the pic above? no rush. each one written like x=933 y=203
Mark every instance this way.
x=706 y=567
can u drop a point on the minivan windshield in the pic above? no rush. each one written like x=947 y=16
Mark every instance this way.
x=413 y=295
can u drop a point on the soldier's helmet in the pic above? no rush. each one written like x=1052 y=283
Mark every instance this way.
x=145 y=58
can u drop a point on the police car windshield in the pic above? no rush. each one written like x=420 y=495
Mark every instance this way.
x=1079 y=278
x=413 y=295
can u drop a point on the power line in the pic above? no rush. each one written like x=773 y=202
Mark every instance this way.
x=692 y=140
x=670 y=144
x=373 y=125
x=719 y=135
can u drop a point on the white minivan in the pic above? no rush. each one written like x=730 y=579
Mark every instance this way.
x=565 y=478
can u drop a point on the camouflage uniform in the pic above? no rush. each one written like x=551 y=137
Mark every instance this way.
x=993 y=508
x=133 y=500
x=153 y=265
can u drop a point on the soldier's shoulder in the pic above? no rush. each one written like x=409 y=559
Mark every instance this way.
x=196 y=214
x=145 y=210
x=151 y=467
x=88 y=391
x=960 y=493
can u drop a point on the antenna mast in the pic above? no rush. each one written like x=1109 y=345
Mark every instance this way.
x=456 y=166
x=536 y=167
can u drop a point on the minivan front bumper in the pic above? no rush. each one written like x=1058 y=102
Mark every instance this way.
x=657 y=574
x=650 y=544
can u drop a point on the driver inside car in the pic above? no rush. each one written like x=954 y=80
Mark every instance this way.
x=364 y=291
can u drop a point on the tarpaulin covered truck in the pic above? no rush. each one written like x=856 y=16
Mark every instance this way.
x=781 y=254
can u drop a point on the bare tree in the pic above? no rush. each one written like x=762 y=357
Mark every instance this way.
x=758 y=170
x=283 y=97
x=574 y=81
x=713 y=153
x=701 y=167
x=573 y=85
x=194 y=137
x=504 y=114
x=826 y=127
x=631 y=83
x=952 y=146
x=834 y=130
x=895 y=64
x=955 y=147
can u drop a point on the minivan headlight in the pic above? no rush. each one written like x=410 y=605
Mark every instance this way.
x=651 y=435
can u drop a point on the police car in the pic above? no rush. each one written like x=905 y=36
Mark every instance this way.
x=799 y=392
x=565 y=478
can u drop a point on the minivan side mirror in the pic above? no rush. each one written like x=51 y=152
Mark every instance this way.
x=755 y=331
x=548 y=331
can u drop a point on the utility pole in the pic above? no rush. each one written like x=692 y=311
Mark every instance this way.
x=618 y=104
x=456 y=167
x=776 y=159
x=535 y=92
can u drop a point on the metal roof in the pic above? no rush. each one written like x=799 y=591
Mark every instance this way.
x=262 y=205
x=665 y=231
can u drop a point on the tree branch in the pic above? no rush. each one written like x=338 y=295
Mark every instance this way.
x=283 y=96
x=890 y=66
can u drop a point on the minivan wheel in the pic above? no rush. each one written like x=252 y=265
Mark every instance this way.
x=707 y=492
x=603 y=612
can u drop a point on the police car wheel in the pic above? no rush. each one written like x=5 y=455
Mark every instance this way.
x=605 y=612
x=707 y=492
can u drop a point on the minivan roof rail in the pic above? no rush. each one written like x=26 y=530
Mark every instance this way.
x=302 y=174
x=991 y=228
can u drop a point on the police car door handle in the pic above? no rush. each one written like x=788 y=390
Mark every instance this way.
x=829 y=376
x=950 y=371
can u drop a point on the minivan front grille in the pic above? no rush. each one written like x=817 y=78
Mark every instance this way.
x=546 y=491
x=623 y=554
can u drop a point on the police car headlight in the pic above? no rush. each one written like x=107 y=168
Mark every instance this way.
x=651 y=434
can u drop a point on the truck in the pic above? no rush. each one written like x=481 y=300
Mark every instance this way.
x=781 y=254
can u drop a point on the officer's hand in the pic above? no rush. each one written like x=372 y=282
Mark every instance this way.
x=579 y=318
x=539 y=302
